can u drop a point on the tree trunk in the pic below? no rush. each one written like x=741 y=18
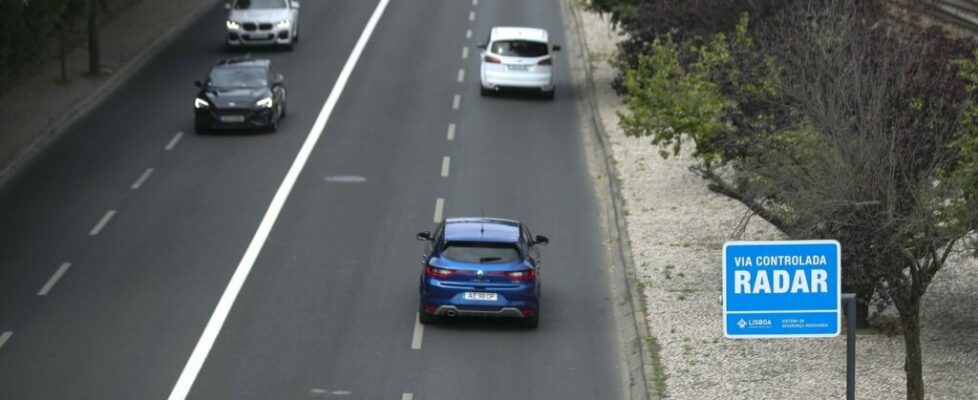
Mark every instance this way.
x=909 y=309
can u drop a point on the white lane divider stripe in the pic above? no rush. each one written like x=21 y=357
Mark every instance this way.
x=102 y=223
x=475 y=3
x=451 y=132
x=418 y=333
x=468 y=34
x=407 y=396
x=439 y=207
x=461 y=75
x=446 y=162
x=456 y=101
x=142 y=179
x=196 y=361
x=465 y=52
x=54 y=279
x=4 y=337
x=173 y=142
x=471 y=15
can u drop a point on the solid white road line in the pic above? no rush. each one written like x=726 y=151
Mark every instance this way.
x=461 y=75
x=439 y=207
x=445 y=163
x=54 y=279
x=142 y=179
x=102 y=223
x=407 y=396
x=418 y=333
x=471 y=15
x=456 y=101
x=451 y=132
x=174 y=141
x=4 y=337
x=465 y=52
x=223 y=308
x=468 y=34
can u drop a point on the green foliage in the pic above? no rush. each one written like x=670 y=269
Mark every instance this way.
x=666 y=102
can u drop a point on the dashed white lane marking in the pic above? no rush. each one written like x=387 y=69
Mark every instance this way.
x=439 y=207
x=54 y=279
x=461 y=75
x=102 y=223
x=142 y=179
x=446 y=162
x=456 y=101
x=4 y=337
x=468 y=34
x=407 y=396
x=475 y=3
x=213 y=328
x=418 y=333
x=465 y=52
x=174 y=141
x=471 y=15
x=451 y=132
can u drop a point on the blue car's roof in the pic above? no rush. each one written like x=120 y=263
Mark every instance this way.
x=482 y=230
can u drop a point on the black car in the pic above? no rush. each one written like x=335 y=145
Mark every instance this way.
x=240 y=93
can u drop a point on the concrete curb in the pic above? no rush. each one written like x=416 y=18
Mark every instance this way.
x=635 y=331
x=53 y=130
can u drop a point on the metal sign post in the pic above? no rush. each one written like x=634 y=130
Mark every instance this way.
x=850 y=299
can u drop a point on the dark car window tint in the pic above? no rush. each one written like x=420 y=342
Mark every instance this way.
x=259 y=4
x=481 y=253
x=519 y=48
x=238 y=77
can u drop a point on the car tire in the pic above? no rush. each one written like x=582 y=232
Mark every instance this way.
x=549 y=95
x=273 y=126
x=198 y=129
x=485 y=92
x=424 y=317
x=532 y=322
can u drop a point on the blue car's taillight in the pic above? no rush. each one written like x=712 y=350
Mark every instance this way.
x=522 y=276
x=440 y=273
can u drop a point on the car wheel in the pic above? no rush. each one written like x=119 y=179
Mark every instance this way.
x=550 y=95
x=485 y=92
x=532 y=322
x=424 y=317
x=198 y=128
x=273 y=126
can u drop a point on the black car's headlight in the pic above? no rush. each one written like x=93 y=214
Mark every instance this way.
x=266 y=102
x=201 y=103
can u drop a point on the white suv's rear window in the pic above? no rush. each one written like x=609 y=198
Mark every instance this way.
x=481 y=252
x=519 y=48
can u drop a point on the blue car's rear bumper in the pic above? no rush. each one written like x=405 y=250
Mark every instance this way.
x=449 y=299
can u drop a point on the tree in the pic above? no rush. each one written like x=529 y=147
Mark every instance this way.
x=833 y=124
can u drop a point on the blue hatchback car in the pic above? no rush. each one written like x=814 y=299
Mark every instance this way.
x=481 y=267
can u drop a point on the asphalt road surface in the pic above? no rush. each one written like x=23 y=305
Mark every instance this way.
x=121 y=239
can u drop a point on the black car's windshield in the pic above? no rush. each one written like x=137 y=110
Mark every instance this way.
x=259 y=4
x=238 y=77
x=519 y=48
x=480 y=252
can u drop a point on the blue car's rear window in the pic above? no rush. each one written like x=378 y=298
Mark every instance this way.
x=481 y=252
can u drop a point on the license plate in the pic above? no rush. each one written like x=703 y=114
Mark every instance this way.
x=480 y=296
x=232 y=118
x=517 y=67
x=260 y=36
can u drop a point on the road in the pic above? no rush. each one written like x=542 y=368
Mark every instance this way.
x=122 y=236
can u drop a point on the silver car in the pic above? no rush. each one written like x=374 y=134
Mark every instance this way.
x=262 y=22
x=519 y=58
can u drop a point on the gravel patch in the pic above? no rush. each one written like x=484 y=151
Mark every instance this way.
x=677 y=228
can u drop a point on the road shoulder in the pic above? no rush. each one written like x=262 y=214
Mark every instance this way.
x=39 y=109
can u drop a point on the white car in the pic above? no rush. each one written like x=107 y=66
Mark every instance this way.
x=262 y=22
x=519 y=58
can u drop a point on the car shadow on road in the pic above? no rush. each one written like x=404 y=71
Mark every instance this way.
x=481 y=324
x=518 y=94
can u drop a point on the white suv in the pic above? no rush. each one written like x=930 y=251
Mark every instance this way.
x=262 y=22
x=515 y=57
